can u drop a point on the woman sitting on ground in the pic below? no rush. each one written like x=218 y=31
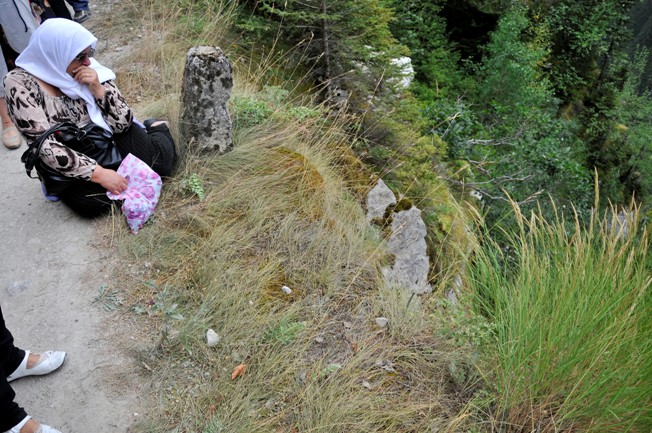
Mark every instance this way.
x=57 y=80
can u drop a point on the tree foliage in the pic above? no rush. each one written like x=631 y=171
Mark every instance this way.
x=343 y=42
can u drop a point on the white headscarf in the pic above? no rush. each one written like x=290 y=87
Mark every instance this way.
x=52 y=47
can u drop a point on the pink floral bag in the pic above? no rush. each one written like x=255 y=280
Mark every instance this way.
x=142 y=193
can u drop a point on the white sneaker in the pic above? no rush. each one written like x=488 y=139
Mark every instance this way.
x=48 y=362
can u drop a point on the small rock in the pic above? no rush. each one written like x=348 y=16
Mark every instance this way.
x=17 y=287
x=382 y=321
x=347 y=325
x=386 y=365
x=319 y=339
x=301 y=377
x=366 y=384
x=286 y=290
x=212 y=338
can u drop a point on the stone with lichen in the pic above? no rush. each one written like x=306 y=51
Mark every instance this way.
x=207 y=82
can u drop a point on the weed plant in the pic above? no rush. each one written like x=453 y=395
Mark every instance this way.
x=572 y=318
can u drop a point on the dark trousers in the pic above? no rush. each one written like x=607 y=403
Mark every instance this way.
x=10 y=359
x=155 y=147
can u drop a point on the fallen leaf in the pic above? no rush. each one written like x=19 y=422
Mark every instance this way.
x=238 y=371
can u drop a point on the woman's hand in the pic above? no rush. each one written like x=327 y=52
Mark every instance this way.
x=88 y=76
x=109 y=179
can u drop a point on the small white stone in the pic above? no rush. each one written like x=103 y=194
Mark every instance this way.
x=319 y=339
x=366 y=384
x=212 y=339
x=286 y=290
x=382 y=321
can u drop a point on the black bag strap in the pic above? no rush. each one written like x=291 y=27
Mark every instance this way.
x=31 y=155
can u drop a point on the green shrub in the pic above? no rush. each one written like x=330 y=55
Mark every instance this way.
x=249 y=111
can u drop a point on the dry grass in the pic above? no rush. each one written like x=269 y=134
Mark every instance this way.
x=278 y=210
x=276 y=213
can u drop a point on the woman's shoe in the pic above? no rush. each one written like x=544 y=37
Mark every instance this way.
x=11 y=138
x=148 y=123
x=42 y=428
x=48 y=362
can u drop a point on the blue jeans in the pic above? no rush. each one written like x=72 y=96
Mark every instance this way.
x=78 y=5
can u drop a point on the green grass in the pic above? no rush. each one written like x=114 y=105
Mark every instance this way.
x=572 y=316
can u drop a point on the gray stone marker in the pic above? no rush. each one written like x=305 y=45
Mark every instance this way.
x=207 y=82
x=406 y=242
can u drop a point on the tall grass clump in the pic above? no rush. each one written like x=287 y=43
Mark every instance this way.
x=572 y=319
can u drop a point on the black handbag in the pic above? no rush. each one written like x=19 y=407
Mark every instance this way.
x=91 y=140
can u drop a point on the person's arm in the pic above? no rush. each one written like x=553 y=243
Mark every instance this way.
x=109 y=100
x=25 y=101
x=114 y=108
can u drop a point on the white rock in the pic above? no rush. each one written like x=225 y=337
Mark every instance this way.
x=212 y=339
x=378 y=199
x=382 y=321
x=286 y=290
x=407 y=243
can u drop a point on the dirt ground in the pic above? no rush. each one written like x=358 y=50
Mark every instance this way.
x=53 y=265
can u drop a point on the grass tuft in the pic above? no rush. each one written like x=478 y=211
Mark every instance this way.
x=572 y=324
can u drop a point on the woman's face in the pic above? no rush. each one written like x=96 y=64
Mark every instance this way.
x=83 y=59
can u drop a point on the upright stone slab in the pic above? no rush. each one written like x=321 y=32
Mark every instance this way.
x=407 y=242
x=207 y=84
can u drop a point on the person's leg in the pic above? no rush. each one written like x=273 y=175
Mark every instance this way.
x=86 y=198
x=155 y=147
x=10 y=358
x=60 y=9
x=11 y=414
x=10 y=355
x=17 y=24
x=82 y=11
x=10 y=135
x=78 y=4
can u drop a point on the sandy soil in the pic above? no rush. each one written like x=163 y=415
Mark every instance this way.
x=52 y=267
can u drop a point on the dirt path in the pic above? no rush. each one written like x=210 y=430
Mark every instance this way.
x=52 y=265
